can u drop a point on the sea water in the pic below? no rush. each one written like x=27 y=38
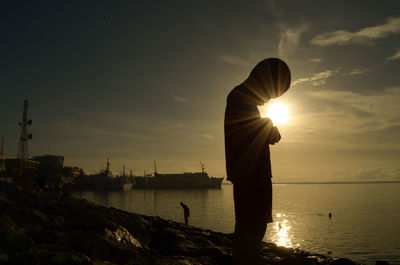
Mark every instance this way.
x=364 y=227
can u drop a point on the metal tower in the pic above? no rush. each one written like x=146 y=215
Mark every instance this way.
x=23 y=147
x=2 y=156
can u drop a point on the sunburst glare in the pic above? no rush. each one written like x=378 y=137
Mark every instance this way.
x=277 y=111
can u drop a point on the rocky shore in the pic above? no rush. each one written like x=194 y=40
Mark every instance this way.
x=38 y=227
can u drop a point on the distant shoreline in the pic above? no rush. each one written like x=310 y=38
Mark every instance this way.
x=332 y=182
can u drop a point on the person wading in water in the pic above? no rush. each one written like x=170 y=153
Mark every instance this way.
x=186 y=212
x=248 y=164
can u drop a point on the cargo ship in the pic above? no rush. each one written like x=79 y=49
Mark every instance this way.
x=103 y=181
x=187 y=180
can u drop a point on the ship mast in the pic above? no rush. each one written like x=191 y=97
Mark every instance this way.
x=202 y=167
x=155 y=168
x=108 y=166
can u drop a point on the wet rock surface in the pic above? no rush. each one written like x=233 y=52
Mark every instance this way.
x=44 y=228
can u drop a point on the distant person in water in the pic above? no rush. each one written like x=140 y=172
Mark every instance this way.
x=248 y=164
x=186 y=212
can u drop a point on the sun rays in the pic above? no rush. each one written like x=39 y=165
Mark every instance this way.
x=277 y=111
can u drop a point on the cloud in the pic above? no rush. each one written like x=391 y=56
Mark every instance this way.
x=357 y=71
x=364 y=35
x=272 y=8
x=68 y=127
x=345 y=120
x=357 y=114
x=371 y=174
x=289 y=39
x=315 y=60
x=180 y=99
x=233 y=60
x=207 y=136
x=396 y=56
x=316 y=79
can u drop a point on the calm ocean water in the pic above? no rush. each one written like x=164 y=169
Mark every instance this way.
x=365 y=223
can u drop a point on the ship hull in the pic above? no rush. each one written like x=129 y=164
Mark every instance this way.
x=178 y=181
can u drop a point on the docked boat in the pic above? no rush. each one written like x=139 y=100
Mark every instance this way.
x=103 y=181
x=187 y=180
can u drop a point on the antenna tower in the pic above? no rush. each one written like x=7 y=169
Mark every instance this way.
x=23 y=147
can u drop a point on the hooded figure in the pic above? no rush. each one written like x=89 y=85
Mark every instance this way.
x=248 y=164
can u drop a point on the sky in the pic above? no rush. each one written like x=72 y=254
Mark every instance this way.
x=141 y=81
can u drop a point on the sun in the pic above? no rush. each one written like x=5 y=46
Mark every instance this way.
x=277 y=111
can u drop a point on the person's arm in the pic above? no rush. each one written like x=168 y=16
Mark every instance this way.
x=273 y=135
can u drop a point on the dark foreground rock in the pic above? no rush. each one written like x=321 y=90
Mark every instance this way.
x=44 y=228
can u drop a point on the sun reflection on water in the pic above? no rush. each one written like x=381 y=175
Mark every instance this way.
x=281 y=235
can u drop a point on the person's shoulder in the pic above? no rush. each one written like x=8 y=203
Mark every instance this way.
x=266 y=120
x=266 y=123
x=233 y=95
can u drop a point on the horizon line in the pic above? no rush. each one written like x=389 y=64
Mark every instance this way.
x=332 y=182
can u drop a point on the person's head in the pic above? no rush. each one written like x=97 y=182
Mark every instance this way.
x=181 y=203
x=269 y=79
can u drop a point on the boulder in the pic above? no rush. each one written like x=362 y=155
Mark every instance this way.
x=381 y=262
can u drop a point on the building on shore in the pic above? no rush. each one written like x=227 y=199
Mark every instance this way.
x=15 y=164
x=53 y=161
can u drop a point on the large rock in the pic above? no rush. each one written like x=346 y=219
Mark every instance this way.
x=343 y=261
x=381 y=262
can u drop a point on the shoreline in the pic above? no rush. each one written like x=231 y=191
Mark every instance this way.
x=329 y=182
x=56 y=226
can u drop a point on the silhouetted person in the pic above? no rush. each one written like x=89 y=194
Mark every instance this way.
x=330 y=215
x=186 y=212
x=248 y=165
